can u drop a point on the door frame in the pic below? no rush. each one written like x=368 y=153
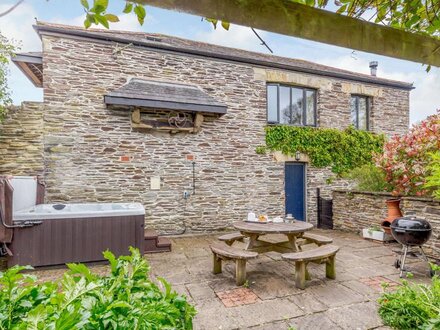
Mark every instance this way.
x=304 y=164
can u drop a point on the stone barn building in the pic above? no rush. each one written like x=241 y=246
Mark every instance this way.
x=174 y=124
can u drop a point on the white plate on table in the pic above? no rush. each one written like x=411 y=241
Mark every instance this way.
x=258 y=221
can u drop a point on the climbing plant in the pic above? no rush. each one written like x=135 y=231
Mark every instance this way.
x=326 y=147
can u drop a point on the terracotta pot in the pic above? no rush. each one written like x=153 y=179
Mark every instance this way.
x=393 y=213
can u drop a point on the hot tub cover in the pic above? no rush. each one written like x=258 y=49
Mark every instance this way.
x=84 y=210
x=164 y=95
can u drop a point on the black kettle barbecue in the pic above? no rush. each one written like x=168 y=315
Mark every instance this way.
x=410 y=231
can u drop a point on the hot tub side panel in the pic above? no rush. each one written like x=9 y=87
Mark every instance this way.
x=60 y=241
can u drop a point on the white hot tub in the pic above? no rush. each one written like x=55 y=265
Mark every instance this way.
x=54 y=234
x=86 y=210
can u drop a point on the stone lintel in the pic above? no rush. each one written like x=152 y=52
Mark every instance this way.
x=279 y=157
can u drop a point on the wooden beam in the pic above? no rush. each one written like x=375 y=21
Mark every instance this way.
x=29 y=73
x=297 y=20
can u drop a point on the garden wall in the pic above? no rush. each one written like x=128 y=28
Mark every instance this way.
x=354 y=210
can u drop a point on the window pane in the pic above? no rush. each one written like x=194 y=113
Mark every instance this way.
x=272 y=103
x=362 y=113
x=297 y=106
x=285 y=105
x=353 y=111
x=310 y=107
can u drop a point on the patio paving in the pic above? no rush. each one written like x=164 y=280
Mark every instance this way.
x=270 y=300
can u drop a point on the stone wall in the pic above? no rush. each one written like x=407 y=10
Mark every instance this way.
x=93 y=154
x=353 y=211
x=21 y=140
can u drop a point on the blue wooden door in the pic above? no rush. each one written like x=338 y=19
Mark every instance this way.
x=295 y=188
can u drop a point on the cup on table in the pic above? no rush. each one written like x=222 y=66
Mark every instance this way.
x=289 y=217
x=251 y=216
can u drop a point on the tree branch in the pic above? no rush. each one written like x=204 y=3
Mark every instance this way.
x=12 y=8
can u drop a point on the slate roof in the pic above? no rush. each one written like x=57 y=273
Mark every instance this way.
x=190 y=47
x=164 y=95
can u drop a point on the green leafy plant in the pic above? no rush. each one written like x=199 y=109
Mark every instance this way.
x=260 y=150
x=412 y=306
x=326 y=147
x=373 y=228
x=7 y=49
x=405 y=158
x=433 y=180
x=369 y=177
x=96 y=13
x=124 y=299
x=214 y=22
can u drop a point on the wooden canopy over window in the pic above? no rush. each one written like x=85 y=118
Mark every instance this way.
x=164 y=96
x=31 y=64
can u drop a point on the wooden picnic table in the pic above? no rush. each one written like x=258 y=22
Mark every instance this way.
x=253 y=230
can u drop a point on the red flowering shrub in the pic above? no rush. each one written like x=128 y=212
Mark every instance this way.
x=405 y=159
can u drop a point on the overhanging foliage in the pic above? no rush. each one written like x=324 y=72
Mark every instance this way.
x=402 y=38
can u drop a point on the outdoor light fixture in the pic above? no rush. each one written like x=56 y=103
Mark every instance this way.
x=297 y=155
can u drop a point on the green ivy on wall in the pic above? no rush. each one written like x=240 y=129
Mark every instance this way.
x=326 y=147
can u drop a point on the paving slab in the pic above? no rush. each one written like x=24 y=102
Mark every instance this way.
x=200 y=291
x=366 y=271
x=318 y=321
x=282 y=325
x=348 y=302
x=273 y=286
x=268 y=311
x=211 y=319
x=368 y=292
x=373 y=252
x=357 y=316
x=335 y=294
x=308 y=303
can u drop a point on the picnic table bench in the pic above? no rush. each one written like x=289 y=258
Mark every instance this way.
x=297 y=235
x=231 y=238
x=323 y=254
x=310 y=238
x=222 y=251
